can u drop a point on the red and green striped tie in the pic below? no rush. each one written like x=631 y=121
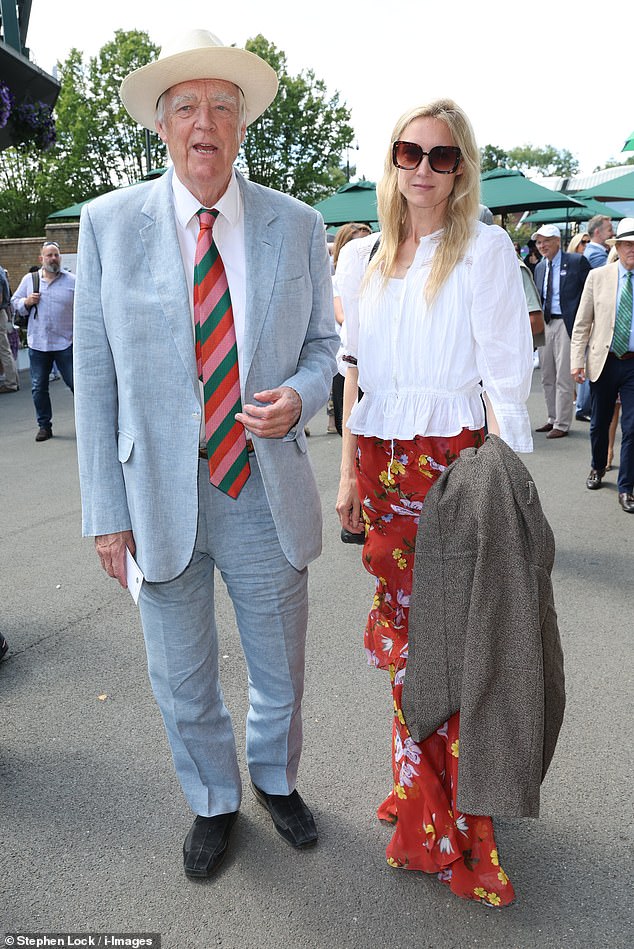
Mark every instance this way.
x=217 y=360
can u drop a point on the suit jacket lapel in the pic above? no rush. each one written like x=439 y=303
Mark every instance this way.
x=160 y=239
x=263 y=242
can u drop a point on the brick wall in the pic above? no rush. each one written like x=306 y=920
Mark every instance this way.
x=18 y=254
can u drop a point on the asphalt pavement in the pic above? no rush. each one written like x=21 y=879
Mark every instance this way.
x=92 y=819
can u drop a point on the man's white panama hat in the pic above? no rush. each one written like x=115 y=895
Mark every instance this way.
x=624 y=231
x=198 y=54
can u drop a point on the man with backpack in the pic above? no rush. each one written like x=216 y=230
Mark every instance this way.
x=43 y=303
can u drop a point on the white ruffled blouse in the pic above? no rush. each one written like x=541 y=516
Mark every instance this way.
x=422 y=369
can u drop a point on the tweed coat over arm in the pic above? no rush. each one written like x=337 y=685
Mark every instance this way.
x=483 y=634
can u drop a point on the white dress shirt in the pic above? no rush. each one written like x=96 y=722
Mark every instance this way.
x=229 y=237
x=420 y=367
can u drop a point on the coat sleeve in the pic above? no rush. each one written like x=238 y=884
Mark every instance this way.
x=583 y=325
x=104 y=502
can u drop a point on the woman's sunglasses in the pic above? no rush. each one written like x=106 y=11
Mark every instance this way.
x=443 y=159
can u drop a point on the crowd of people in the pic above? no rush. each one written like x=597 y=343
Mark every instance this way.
x=427 y=323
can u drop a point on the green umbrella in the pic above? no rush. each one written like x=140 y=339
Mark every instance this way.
x=618 y=189
x=352 y=202
x=588 y=209
x=507 y=190
x=629 y=145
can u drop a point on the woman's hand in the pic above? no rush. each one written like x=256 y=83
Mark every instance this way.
x=348 y=506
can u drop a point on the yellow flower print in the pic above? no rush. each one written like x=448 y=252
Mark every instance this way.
x=386 y=478
x=493 y=899
x=398 y=467
x=399 y=790
x=423 y=466
x=454 y=747
x=397 y=555
x=495 y=860
x=480 y=892
x=393 y=863
x=429 y=829
x=399 y=714
x=502 y=877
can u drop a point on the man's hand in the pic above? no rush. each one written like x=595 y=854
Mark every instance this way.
x=111 y=550
x=277 y=417
x=579 y=375
x=32 y=300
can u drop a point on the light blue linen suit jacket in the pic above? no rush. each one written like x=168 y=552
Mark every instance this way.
x=136 y=387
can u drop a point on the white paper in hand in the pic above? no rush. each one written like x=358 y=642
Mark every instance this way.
x=133 y=575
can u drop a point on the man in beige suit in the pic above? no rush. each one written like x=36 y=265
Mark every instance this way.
x=605 y=324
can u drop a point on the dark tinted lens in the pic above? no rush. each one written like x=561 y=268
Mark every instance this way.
x=444 y=158
x=407 y=155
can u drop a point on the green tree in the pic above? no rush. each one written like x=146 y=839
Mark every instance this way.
x=616 y=164
x=28 y=194
x=493 y=157
x=545 y=161
x=296 y=146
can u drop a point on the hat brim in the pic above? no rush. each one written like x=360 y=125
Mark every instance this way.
x=141 y=90
x=627 y=238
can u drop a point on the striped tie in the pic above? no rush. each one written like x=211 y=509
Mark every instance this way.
x=217 y=360
x=623 y=323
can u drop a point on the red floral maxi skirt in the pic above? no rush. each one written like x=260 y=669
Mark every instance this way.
x=430 y=834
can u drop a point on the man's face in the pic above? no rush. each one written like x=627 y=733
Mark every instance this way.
x=547 y=246
x=604 y=232
x=625 y=250
x=51 y=258
x=201 y=129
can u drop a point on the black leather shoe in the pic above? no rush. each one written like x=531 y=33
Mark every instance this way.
x=593 y=481
x=43 y=434
x=582 y=417
x=626 y=500
x=292 y=819
x=545 y=428
x=206 y=844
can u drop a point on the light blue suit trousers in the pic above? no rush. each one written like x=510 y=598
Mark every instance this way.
x=270 y=599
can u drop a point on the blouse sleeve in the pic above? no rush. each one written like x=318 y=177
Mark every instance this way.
x=350 y=270
x=501 y=327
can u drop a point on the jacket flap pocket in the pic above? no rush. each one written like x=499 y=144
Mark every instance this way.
x=125 y=445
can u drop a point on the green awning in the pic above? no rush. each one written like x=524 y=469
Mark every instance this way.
x=589 y=208
x=352 y=202
x=617 y=189
x=507 y=190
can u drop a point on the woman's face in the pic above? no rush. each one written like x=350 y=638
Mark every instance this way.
x=423 y=188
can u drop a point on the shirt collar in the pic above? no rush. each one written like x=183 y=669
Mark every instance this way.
x=186 y=205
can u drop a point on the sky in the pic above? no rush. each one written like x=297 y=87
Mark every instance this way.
x=539 y=79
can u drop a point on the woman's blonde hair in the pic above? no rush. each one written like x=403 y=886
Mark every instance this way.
x=573 y=246
x=463 y=204
x=348 y=232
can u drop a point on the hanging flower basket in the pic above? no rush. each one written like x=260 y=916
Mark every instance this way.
x=6 y=103
x=31 y=123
